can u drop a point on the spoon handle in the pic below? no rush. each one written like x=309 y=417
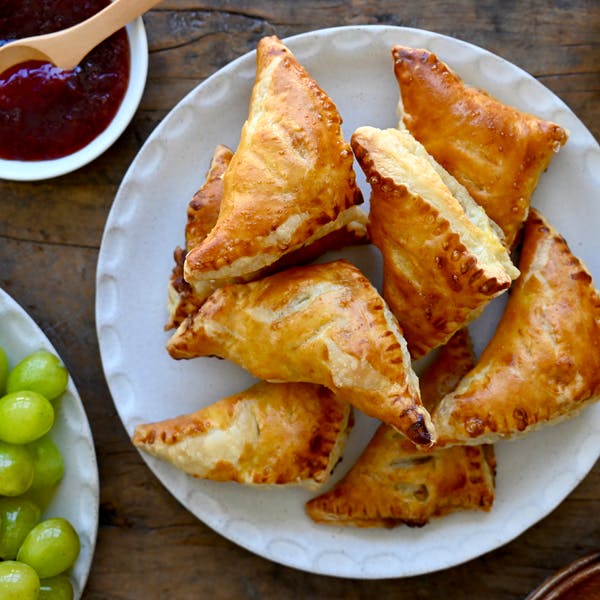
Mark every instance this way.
x=66 y=48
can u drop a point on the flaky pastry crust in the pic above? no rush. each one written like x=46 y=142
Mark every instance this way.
x=543 y=363
x=442 y=259
x=393 y=483
x=496 y=151
x=272 y=433
x=321 y=323
x=202 y=215
x=291 y=179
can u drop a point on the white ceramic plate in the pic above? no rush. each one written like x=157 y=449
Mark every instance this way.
x=23 y=170
x=147 y=221
x=77 y=496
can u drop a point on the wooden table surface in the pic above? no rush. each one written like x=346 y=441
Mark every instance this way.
x=148 y=545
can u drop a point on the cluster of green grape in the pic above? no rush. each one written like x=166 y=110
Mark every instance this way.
x=35 y=555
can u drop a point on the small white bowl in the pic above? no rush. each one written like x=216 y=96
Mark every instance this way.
x=22 y=170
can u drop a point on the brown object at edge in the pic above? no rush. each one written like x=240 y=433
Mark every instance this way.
x=580 y=580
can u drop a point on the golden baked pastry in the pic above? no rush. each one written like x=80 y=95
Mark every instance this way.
x=272 y=433
x=442 y=259
x=392 y=482
x=543 y=363
x=204 y=207
x=451 y=363
x=322 y=323
x=290 y=181
x=497 y=152
x=202 y=214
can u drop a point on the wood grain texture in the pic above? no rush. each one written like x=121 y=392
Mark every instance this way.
x=149 y=546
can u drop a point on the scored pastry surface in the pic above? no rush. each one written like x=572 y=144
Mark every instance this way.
x=272 y=433
x=392 y=482
x=320 y=323
x=290 y=181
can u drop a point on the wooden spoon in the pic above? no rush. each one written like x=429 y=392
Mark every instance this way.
x=66 y=48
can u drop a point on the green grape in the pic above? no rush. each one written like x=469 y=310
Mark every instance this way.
x=56 y=588
x=16 y=469
x=18 y=581
x=48 y=465
x=51 y=547
x=40 y=372
x=18 y=517
x=24 y=417
x=4 y=369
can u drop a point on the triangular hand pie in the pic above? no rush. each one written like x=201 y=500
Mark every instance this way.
x=290 y=181
x=497 y=152
x=321 y=323
x=392 y=482
x=202 y=214
x=272 y=433
x=442 y=259
x=543 y=363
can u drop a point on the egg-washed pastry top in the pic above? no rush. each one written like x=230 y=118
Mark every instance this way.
x=496 y=151
x=202 y=214
x=543 y=363
x=442 y=258
x=290 y=181
x=271 y=433
x=393 y=482
x=320 y=323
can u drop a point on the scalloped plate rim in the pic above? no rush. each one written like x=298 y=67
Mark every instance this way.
x=173 y=479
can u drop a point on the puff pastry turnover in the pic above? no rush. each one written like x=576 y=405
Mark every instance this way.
x=543 y=363
x=202 y=213
x=272 y=433
x=322 y=323
x=497 y=152
x=290 y=181
x=393 y=483
x=443 y=260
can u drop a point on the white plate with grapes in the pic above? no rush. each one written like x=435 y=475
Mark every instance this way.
x=48 y=472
